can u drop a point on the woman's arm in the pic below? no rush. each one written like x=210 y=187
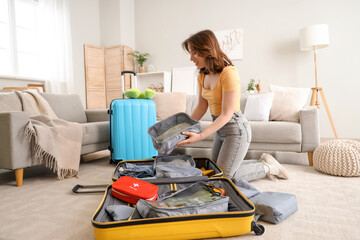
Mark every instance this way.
x=200 y=109
x=228 y=105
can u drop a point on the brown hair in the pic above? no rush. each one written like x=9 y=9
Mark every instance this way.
x=206 y=45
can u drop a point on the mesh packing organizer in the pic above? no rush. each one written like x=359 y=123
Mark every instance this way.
x=167 y=133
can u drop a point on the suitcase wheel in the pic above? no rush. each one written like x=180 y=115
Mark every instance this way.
x=258 y=229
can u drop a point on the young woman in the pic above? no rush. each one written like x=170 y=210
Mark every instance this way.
x=219 y=89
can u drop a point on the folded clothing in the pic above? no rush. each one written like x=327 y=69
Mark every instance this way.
x=274 y=207
x=172 y=131
x=169 y=171
x=131 y=189
x=119 y=212
x=137 y=171
x=246 y=188
x=199 y=198
x=176 y=166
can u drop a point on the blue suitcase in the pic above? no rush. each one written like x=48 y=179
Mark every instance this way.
x=129 y=122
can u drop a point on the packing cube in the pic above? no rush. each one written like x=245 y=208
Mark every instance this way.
x=168 y=132
x=129 y=189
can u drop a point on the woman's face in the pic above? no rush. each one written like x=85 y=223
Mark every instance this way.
x=200 y=62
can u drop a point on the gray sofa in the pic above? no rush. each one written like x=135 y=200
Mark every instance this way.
x=15 y=151
x=288 y=142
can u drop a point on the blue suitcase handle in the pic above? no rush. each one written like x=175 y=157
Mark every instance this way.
x=131 y=72
x=122 y=80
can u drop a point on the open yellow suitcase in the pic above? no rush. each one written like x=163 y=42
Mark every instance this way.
x=238 y=220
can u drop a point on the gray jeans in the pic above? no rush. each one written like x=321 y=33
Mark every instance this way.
x=230 y=147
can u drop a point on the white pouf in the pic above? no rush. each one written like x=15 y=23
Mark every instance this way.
x=340 y=157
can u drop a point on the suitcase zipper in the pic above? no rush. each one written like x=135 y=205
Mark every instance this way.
x=173 y=188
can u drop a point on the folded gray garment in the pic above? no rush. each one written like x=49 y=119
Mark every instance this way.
x=274 y=207
x=170 y=171
x=271 y=207
x=175 y=162
x=246 y=188
x=119 y=212
x=172 y=131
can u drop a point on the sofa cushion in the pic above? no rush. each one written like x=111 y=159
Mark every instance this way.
x=95 y=132
x=67 y=107
x=243 y=100
x=287 y=102
x=275 y=132
x=191 y=103
x=266 y=147
x=169 y=103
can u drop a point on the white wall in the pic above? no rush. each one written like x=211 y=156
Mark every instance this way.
x=117 y=22
x=271 y=45
x=127 y=23
x=109 y=22
x=85 y=29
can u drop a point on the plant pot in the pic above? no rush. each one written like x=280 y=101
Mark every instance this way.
x=142 y=69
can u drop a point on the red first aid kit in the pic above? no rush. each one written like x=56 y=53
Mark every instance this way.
x=131 y=189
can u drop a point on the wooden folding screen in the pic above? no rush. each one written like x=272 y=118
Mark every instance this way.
x=103 y=67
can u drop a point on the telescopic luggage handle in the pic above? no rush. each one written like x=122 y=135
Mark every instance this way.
x=134 y=81
x=77 y=188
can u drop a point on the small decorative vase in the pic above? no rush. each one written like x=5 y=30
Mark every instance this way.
x=142 y=69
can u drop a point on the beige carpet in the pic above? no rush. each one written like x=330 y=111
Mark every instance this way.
x=45 y=208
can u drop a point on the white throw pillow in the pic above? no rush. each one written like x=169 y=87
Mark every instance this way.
x=258 y=107
x=287 y=102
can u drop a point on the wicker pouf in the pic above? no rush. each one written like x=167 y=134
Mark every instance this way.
x=340 y=157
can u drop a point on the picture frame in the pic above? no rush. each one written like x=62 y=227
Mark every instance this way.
x=231 y=42
x=40 y=87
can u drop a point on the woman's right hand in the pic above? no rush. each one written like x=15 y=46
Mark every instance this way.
x=193 y=137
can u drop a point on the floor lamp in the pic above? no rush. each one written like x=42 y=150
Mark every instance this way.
x=312 y=38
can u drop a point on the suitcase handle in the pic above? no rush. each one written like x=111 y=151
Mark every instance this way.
x=134 y=85
x=131 y=72
x=78 y=186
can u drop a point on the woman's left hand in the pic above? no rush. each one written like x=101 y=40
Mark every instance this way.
x=193 y=137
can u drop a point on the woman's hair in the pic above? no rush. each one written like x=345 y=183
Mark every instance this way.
x=205 y=44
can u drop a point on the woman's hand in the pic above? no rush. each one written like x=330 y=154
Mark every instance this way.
x=193 y=137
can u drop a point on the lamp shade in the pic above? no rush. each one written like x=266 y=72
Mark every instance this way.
x=314 y=37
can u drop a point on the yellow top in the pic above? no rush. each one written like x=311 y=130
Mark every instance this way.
x=228 y=81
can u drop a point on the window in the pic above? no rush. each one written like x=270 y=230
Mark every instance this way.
x=19 y=53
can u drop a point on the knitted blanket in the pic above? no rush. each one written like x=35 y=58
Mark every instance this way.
x=55 y=142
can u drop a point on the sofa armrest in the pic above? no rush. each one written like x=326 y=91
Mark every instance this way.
x=15 y=149
x=97 y=115
x=309 y=120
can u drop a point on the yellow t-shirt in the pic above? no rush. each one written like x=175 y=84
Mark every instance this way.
x=228 y=81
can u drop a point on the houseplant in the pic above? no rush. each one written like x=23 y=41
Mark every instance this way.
x=140 y=58
x=251 y=86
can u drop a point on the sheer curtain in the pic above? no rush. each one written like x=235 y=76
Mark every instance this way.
x=55 y=45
